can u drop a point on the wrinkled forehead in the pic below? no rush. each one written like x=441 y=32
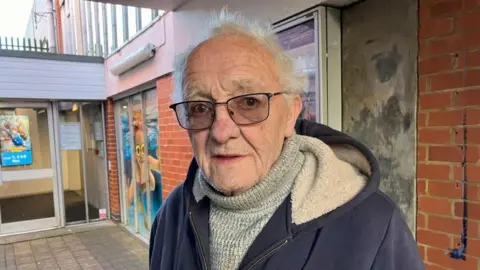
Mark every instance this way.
x=227 y=66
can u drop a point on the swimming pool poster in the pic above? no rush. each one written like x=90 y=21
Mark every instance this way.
x=15 y=145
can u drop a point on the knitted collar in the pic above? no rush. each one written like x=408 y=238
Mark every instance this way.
x=281 y=177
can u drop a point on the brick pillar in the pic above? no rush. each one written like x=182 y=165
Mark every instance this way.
x=175 y=148
x=449 y=85
x=113 y=183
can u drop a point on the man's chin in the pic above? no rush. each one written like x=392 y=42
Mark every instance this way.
x=230 y=190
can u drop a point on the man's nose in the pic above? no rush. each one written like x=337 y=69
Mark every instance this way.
x=223 y=127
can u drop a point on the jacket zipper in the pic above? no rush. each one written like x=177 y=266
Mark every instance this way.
x=202 y=255
x=266 y=254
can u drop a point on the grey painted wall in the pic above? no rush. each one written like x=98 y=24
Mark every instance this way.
x=380 y=90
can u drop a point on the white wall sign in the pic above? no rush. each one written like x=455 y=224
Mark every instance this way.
x=70 y=136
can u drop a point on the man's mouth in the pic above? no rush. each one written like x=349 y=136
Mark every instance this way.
x=225 y=159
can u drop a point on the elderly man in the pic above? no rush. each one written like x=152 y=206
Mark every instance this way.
x=264 y=190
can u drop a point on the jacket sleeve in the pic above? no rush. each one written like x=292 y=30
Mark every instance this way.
x=156 y=235
x=398 y=250
x=163 y=235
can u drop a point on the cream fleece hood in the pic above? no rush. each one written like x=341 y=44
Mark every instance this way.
x=330 y=177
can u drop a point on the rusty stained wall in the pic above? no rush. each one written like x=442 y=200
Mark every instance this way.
x=380 y=90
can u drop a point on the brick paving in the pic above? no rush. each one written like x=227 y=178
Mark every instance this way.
x=109 y=247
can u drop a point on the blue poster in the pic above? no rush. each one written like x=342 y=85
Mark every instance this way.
x=15 y=145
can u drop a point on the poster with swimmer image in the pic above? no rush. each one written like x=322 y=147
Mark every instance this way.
x=144 y=156
x=15 y=145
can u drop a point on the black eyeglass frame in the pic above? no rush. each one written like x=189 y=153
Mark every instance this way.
x=215 y=104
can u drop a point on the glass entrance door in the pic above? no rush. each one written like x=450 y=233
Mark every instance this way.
x=28 y=186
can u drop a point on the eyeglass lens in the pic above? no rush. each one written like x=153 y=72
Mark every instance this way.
x=243 y=110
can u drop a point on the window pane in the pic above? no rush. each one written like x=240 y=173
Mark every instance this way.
x=153 y=160
x=299 y=42
x=126 y=162
x=25 y=151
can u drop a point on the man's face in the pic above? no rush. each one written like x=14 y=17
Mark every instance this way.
x=235 y=157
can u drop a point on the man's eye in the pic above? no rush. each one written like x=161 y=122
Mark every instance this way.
x=250 y=102
x=199 y=109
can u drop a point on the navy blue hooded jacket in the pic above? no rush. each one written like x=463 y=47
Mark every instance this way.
x=368 y=232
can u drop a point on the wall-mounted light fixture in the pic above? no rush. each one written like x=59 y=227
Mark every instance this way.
x=139 y=56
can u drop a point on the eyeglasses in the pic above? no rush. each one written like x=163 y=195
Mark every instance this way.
x=139 y=149
x=243 y=110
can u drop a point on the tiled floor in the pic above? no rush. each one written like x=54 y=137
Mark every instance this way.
x=104 y=247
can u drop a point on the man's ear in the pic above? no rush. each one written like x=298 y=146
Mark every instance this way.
x=294 y=108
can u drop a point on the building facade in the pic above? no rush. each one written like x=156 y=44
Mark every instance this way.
x=400 y=76
x=53 y=146
x=52 y=143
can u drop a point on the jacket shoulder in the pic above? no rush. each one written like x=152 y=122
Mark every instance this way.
x=365 y=234
x=397 y=248
x=174 y=201
x=166 y=225
x=377 y=208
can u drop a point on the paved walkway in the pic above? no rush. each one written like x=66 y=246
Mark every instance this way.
x=102 y=247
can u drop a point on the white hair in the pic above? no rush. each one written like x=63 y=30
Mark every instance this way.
x=226 y=23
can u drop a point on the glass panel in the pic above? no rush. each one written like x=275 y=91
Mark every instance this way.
x=132 y=22
x=143 y=178
x=93 y=136
x=25 y=151
x=154 y=190
x=126 y=162
x=71 y=161
x=139 y=127
x=299 y=42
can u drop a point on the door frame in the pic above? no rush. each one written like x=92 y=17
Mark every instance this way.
x=329 y=66
x=58 y=152
x=44 y=223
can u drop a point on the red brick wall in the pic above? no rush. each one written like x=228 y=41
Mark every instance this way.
x=175 y=148
x=113 y=182
x=449 y=83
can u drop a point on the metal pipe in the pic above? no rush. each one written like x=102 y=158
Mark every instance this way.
x=49 y=11
x=90 y=28
x=125 y=23
x=114 y=28
x=105 y=29
x=71 y=26
x=98 y=43
x=84 y=27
